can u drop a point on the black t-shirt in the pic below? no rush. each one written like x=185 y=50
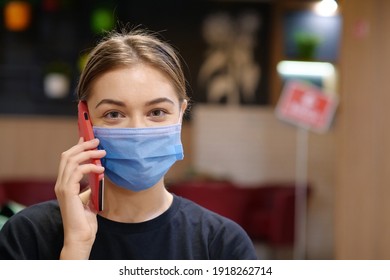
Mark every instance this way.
x=185 y=231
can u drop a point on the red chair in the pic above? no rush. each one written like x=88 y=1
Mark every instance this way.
x=29 y=192
x=272 y=215
x=266 y=211
x=221 y=197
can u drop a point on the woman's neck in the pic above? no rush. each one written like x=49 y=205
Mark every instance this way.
x=126 y=206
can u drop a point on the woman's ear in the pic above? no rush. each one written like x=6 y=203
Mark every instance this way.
x=183 y=108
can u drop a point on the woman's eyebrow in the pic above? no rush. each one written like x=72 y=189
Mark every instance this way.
x=111 y=101
x=159 y=100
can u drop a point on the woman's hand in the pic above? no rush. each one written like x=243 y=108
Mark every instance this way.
x=79 y=219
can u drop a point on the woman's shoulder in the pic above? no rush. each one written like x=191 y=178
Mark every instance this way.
x=43 y=213
x=42 y=206
x=228 y=240
x=33 y=233
x=194 y=211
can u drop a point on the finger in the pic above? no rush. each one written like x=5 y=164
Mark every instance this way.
x=86 y=156
x=85 y=196
x=72 y=177
x=78 y=173
x=83 y=146
x=70 y=152
x=80 y=147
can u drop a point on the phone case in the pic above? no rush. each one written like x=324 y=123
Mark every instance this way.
x=96 y=181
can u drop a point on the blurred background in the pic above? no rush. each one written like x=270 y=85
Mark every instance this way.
x=300 y=192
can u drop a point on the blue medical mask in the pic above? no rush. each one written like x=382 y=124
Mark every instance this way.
x=137 y=158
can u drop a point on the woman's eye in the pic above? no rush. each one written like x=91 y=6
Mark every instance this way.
x=157 y=113
x=113 y=115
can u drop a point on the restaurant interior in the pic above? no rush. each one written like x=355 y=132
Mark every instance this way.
x=304 y=181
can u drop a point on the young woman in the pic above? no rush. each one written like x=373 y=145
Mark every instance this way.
x=135 y=90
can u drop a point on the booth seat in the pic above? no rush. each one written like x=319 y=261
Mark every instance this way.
x=26 y=191
x=16 y=194
x=265 y=211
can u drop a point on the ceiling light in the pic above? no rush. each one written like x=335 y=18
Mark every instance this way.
x=326 y=8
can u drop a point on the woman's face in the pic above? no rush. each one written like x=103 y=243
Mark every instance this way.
x=138 y=96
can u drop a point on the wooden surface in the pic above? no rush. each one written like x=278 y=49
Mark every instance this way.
x=362 y=208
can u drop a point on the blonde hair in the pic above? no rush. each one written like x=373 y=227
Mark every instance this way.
x=129 y=48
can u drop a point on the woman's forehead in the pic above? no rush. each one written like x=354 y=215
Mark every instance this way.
x=136 y=82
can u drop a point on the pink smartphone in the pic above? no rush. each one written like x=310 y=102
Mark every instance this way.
x=96 y=181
